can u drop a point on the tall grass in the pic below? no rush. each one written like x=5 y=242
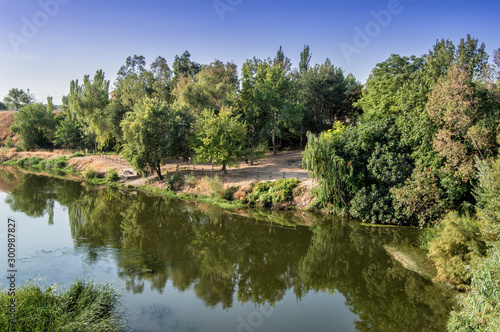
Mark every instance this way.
x=480 y=308
x=85 y=306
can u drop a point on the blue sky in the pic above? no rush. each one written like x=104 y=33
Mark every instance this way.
x=44 y=44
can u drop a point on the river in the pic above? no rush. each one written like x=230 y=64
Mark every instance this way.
x=184 y=266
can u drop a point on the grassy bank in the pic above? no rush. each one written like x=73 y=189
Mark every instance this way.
x=85 y=306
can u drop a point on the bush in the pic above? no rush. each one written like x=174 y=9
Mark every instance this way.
x=457 y=244
x=270 y=193
x=174 y=181
x=481 y=306
x=90 y=174
x=228 y=194
x=112 y=175
x=83 y=307
x=29 y=161
x=60 y=162
x=9 y=143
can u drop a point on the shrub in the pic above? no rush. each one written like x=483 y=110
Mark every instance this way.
x=9 y=142
x=270 y=193
x=174 y=181
x=228 y=194
x=112 y=175
x=90 y=174
x=456 y=245
x=29 y=161
x=480 y=307
x=60 y=162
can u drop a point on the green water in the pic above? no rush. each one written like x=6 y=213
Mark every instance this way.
x=189 y=267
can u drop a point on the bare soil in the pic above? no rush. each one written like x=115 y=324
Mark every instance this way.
x=6 y=119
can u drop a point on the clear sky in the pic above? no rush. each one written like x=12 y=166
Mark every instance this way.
x=44 y=44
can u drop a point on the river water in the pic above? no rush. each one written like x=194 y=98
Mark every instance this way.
x=191 y=267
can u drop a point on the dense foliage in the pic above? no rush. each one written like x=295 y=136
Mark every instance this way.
x=411 y=156
x=153 y=132
x=35 y=126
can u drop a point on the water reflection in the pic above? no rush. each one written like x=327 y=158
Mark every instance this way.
x=225 y=257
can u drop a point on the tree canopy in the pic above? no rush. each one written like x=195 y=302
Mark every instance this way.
x=153 y=132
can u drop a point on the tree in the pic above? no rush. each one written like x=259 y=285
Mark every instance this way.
x=2 y=106
x=305 y=60
x=266 y=102
x=213 y=87
x=184 y=67
x=153 y=132
x=323 y=91
x=472 y=57
x=219 y=138
x=134 y=82
x=465 y=132
x=50 y=105
x=88 y=102
x=35 y=126
x=68 y=133
x=18 y=98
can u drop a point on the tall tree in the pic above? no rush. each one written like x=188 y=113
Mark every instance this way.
x=472 y=57
x=134 y=82
x=305 y=60
x=465 y=132
x=184 y=67
x=153 y=132
x=323 y=90
x=214 y=87
x=18 y=98
x=266 y=102
x=89 y=101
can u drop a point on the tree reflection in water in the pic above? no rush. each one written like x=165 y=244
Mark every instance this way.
x=226 y=257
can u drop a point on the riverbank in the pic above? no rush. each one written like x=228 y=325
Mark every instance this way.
x=197 y=182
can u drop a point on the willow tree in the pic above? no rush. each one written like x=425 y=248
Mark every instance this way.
x=322 y=160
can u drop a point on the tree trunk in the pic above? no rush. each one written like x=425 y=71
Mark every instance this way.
x=224 y=168
x=158 y=172
x=275 y=152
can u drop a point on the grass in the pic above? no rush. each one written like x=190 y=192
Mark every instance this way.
x=213 y=200
x=270 y=193
x=39 y=164
x=85 y=306
x=480 y=308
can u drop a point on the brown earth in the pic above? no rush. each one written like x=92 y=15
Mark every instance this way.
x=6 y=119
